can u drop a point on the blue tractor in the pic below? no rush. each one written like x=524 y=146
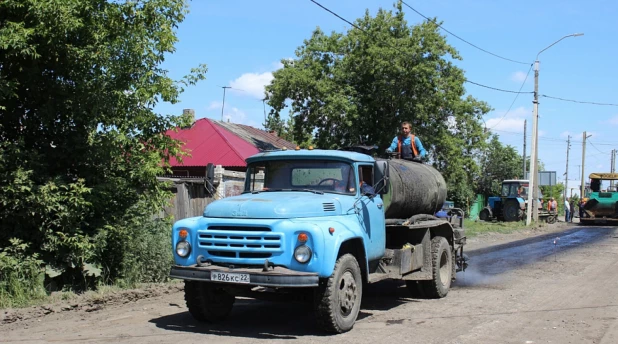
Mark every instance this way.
x=510 y=205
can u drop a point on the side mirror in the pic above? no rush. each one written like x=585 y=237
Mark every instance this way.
x=381 y=177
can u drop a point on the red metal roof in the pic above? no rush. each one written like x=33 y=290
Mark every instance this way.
x=259 y=138
x=210 y=143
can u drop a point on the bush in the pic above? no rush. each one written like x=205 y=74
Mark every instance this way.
x=138 y=252
x=21 y=275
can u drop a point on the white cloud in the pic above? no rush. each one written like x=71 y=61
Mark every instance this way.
x=252 y=84
x=518 y=76
x=565 y=134
x=506 y=124
x=214 y=105
x=613 y=120
x=234 y=115
x=513 y=121
x=542 y=133
x=599 y=166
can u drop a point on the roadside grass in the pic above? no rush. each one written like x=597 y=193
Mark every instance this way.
x=475 y=228
x=102 y=292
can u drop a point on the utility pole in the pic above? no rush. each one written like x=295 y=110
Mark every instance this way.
x=533 y=209
x=581 y=195
x=566 y=177
x=534 y=151
x=223 y=105
x=524 y=152
x=612 y=169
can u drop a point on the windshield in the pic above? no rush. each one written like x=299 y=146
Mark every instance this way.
x=301 y=175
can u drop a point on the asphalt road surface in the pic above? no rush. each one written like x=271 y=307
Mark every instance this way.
x=557 y=285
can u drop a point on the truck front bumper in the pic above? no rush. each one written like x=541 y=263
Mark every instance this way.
x=275 y=277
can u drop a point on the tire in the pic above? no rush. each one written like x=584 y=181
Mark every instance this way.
x=551 y=219
x=484 y=215
x=207 y=302
x=442 y=269
x=338 y=298
x=511 y=211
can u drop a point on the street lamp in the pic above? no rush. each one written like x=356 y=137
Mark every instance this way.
x=534 y=167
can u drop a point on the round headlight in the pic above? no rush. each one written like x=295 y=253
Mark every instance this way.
x=302 y=254
x=183 y=248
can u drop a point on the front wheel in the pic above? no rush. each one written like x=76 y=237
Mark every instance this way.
x=338 y=299
x=484 y=215
x=207 y=302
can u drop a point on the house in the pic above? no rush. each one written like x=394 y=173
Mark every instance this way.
x=224 y=145
x=221 y=143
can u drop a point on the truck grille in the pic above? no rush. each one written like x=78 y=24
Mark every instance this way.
x=240 y=242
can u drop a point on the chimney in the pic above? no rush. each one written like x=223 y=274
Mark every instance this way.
x=190 y=113
x=273 y=133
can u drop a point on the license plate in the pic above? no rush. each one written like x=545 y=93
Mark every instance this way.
x=229 y=277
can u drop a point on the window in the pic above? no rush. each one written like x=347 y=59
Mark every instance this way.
x=365 y=176
x=505 y=189
x=292 y=175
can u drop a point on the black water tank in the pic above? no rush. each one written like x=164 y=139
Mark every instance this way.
x=415 y=188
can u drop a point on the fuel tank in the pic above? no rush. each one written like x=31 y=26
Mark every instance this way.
x=414 y=189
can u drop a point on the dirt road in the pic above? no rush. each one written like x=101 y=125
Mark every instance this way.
x=520 y=288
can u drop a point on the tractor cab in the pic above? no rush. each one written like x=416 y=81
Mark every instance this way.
x=511 y=204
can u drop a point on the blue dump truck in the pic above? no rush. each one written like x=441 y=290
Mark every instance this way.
x=318 y=225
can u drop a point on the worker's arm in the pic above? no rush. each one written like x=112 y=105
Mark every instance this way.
x=393 y=146
x=419 y=146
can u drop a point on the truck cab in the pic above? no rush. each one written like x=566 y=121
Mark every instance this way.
x=309 y=222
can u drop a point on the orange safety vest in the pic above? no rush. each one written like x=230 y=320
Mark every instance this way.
x=412 y=143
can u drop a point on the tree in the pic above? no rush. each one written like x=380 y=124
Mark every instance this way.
x=365 y=82
x=498 y=162
x=80 y=142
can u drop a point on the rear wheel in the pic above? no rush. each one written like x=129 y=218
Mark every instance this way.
x=442 y=269
x=512 y=211
x=207 y=302
x=484 y=215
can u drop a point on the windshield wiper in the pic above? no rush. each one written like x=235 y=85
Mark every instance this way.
x=263 y=190
x=317 y=192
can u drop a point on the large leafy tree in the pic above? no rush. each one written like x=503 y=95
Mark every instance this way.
x=80 y=142
x=360 y=85
x=498 y=162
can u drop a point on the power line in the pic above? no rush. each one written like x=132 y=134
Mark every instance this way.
x=499 y=89
x=514 y=99
x=555 y=139
x=461 y=39
x=336 y=15
x=595 y=147
x=578 y=101
x=465 y=80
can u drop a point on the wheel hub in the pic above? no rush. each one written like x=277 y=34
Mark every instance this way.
x=347 y=293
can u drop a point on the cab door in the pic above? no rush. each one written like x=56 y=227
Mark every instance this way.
x=371 y=214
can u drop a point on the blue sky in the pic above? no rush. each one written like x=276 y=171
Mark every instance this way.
x=243 y=41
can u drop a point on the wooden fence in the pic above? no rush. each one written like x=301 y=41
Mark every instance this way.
x=191 y=196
